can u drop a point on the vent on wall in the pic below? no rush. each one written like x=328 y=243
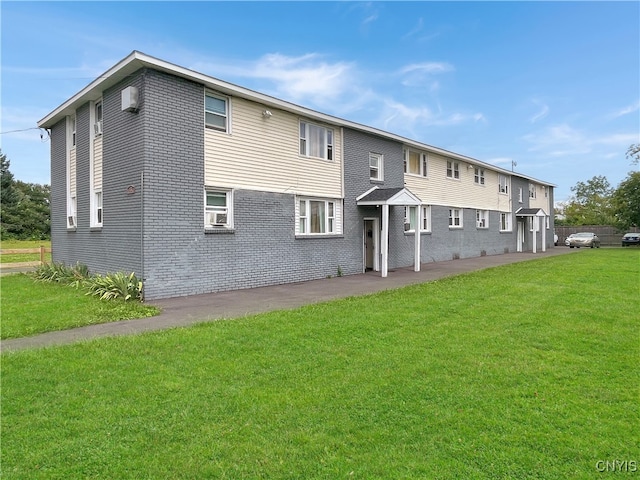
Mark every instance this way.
x=130 y=99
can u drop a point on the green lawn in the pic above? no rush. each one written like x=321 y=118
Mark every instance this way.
x=524 y=371
x=30 y=307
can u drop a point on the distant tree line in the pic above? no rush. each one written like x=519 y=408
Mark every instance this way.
x=25 y=213
x=596 y=202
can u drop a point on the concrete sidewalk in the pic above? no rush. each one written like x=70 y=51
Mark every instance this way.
x=184 y=311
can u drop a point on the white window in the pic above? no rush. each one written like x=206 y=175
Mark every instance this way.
x=547 y=222
x=546 y=191
x=316 y=141
x=520 y=197
x=217 y=209
x=478 y=176
x=71 y=213
x=411 y=218
x=505 y=222
x=317 y=216
x=482 y=218
x=97 y=115
x=375 y=166
x=216 y=114
x=453 y=169
x=73 y=130
x=455 y=218
x=98 y=208
x=503 y=184
x=532 y=190
x=415 y=163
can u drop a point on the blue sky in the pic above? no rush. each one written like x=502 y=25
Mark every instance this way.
x=553 y=86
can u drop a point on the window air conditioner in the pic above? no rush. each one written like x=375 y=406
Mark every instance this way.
x=217 y=218
x=71 y=220
x=97 y=128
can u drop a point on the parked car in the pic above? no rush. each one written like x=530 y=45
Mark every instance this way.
x=566 y=240
x=583 y=239
x=631 y=239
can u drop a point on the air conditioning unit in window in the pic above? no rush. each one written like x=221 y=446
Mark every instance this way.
x=217 y=218
x=97 y=128
x=71 y=220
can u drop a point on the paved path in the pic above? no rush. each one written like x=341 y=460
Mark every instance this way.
x=184 y=311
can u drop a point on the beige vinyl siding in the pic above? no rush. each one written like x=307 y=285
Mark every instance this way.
x=540 y=201
x=263 y=154
x=97 y=163
x=437 y=189
x=72 y=172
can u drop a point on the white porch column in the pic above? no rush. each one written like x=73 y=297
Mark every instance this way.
x=535 y=232
x=416 y=253
x=544 y=233
x=384 y=241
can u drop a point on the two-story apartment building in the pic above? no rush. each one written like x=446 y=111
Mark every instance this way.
x=198 y=185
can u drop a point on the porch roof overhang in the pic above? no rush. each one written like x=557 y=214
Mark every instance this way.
x=530 y=212
x=388 y=196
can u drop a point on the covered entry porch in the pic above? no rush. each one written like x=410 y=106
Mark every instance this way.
x=536 y=217
x=385 y=198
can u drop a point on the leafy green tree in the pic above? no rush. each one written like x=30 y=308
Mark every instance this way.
x=626 y=201
x=24 y=207
x=633 y=153
x=591 y=203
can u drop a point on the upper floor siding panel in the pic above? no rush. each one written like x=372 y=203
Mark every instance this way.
x=458 y=184
x=541 y=197
x=263 y=153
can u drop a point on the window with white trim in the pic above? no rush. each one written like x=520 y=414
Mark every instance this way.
x=547 y=222
x=72 y=213
x=73 y=130
x=505 y=222
x=520 y=196
x=482 y=218
x=97 y=115
x=455 y=218
x=316 y=216
x=478 y=176
x=376 y=166
x=503 y=184
x=218 y=208
x=316 y=141
x=410 y=218
x=415 y=163
x=532 y=190
x=453 y=169
x=216 y=112
x=546 y=191
x=98 y=208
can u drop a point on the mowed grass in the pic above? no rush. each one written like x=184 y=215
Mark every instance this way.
x=29 y=307
x=523 y=371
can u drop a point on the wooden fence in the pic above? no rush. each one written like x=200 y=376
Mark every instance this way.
x=42 y=250
x=608 y=235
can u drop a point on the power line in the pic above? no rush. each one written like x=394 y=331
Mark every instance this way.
x=23 y=130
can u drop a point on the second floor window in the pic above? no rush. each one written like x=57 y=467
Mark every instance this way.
x=216 y=112
x=478 y=176
x=453 y=169
x=532 y=190
x=415 y=163
x=316 y=141
x=503 y=185
x=375 y=166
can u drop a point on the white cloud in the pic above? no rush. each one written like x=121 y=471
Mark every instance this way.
x=561 y=140
x=634 y=107
x=542 y=113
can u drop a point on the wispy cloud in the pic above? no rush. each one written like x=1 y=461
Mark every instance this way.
x=634 y=107
x=542 y=112
x=421 y=74
x=561 y=140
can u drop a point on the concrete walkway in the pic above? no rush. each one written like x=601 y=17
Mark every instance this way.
x=184 y=311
